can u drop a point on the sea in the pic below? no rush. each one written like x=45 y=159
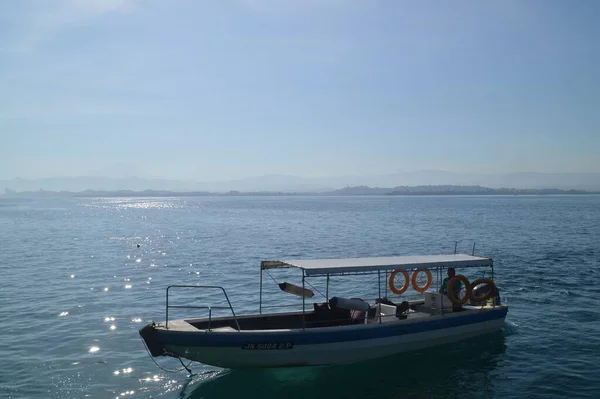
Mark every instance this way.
x=81 y=276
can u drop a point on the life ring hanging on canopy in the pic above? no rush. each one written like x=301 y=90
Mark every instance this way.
x=490 y=292
x=451 y=293
x=415 y=285
x=398 y=291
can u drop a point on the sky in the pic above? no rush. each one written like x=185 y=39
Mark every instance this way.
x=213 y=90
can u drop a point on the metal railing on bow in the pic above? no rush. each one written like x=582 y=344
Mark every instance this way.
x=210 y=308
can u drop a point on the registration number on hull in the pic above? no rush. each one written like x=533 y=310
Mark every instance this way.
x=269 y=346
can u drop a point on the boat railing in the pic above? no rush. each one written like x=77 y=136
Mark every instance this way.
x=284 y=305
x=210 y=308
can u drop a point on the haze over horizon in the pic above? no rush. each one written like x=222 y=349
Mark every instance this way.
x=287 y=183
x=220 y=91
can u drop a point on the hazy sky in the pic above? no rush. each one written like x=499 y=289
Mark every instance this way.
x=227 y=89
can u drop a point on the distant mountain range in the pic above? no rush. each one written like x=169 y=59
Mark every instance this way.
x=358 y=190
x=295 y=184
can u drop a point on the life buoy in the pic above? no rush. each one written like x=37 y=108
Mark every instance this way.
x=490 y=292
x=398 y=291
x=415 y=285
x=450 y=290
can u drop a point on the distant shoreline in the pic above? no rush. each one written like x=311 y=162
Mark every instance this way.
x=445 y=190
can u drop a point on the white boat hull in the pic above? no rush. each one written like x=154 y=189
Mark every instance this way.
x=343 y=352
x=327 y=354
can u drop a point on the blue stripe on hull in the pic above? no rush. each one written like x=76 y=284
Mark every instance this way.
x=326 y=335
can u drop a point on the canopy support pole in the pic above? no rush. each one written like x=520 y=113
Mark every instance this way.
x=440 y=281
x=260 y=293
x=303 y=304
x=379 y=293
x=386 y=279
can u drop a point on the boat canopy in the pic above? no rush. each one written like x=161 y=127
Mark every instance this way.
x=322 y=267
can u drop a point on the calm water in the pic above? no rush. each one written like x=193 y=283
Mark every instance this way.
x=76 y=290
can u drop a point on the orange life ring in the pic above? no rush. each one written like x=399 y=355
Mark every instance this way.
x=450 y=292
x=416 y=286
x=490 y=293
x=393 y=286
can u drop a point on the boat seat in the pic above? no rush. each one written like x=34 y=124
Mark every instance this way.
x=224 y=329
x=388 y=308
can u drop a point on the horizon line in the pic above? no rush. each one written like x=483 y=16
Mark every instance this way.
x=360 y=190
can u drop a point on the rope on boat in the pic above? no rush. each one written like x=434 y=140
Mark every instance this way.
x=186 y=367
x=314 y=288
x=167 y=370
x=276 y=282
x=273 y=278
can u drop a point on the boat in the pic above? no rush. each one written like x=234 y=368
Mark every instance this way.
x=339 y=330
